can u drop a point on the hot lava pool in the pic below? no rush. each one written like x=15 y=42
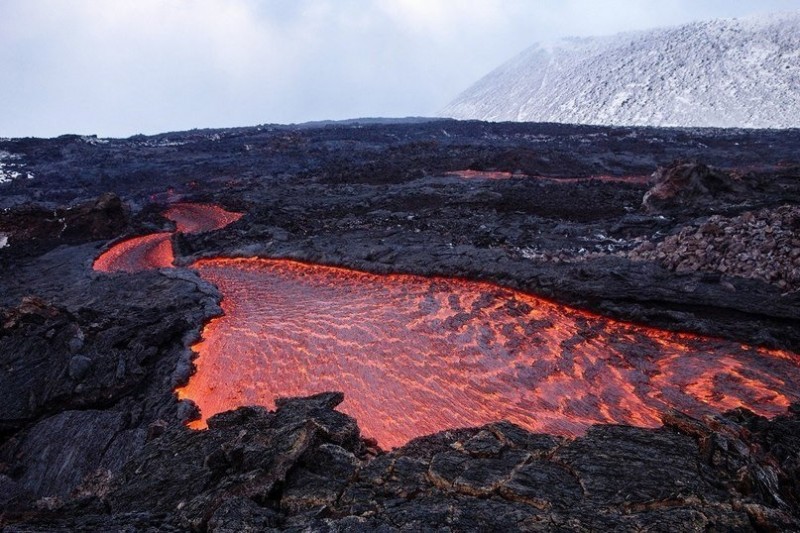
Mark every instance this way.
x=417 y=355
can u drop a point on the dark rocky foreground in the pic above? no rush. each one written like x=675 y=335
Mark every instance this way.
x=304 y=468
x=91 y=434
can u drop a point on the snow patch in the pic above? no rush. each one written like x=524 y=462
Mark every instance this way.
x=93 y=140
x=161 y=143
x=11 y=167
x=3 y=240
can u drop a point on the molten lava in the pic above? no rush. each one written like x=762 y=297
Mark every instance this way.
x=496 y=175
x=481 y=174
x=199 y=218
x=417 y=355
x=137 y=254
x=155 y=251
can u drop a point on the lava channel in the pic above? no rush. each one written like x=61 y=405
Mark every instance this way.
x=137 y=254
x=155 y=251
x=418 y=355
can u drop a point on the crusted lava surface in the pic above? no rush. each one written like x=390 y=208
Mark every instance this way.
x=93 y=346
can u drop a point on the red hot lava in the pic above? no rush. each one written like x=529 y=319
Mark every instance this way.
x=417 y=355
x=199 y=218
x=496 y=175
x=481 y=174
x=137 y=254
x=155 y=251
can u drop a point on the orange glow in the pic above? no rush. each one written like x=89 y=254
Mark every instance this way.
x=417 y=355
x=155 y=250
x=199 y=218
x=495 y=175
x=137 y=254
x=481 y=175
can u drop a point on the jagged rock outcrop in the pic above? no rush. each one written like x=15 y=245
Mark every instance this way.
x=683 y=184
x=31 y=228
x=303 y=467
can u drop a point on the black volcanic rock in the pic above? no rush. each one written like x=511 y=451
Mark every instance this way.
x=35 y=228
x=302 y=467
x=683 y=183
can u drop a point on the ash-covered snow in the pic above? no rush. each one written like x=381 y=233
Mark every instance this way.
x=723 y=73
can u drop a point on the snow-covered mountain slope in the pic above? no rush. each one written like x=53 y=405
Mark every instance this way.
x=723 y=73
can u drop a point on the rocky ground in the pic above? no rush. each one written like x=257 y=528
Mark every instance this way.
x=91 y=434
x=761 y=245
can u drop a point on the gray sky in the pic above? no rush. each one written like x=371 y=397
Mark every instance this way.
x=117 y=68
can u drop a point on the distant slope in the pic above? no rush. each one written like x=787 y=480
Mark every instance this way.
x=722 y=73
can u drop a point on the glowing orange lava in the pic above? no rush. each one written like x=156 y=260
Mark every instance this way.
x=155 y=250
x=417 y=355
x=199 y=218
x=137 y=254
x=496 y=175
x=481 y=174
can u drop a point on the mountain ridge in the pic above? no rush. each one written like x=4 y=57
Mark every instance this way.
x=742 y=72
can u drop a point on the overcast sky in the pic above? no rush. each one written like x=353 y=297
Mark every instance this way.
x=117 y=68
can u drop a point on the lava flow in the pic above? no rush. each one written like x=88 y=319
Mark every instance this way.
x=497 y=175
x=155 y=251
x=199 y=218
x=137 y=254
x=418 y=355
x=481 y=174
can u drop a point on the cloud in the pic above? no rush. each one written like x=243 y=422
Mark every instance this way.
x=115 y=67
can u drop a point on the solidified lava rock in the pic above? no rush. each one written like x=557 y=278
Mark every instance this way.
x=762 y=245
x=83 y=378
x=35 y=228
x=303 y=467
x=687 y=183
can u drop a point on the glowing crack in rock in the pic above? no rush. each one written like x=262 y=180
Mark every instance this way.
x=481 y=174
x=497 y=175
x=418 y=355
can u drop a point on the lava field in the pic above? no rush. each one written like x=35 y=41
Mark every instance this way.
x=528 y=331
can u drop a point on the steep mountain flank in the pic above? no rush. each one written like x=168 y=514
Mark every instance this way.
x=722 y=73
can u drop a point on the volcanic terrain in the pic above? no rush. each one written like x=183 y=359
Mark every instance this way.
x=529 y=330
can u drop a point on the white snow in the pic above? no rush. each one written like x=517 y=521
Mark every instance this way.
x=93 y=140
x=723 y=73
x=6 y=174
x=3 y=240
x=10 y=167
